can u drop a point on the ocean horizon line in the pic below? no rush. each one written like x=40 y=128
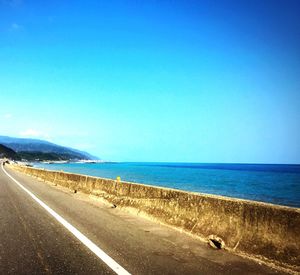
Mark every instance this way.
x=188 y=162
x=278 y=184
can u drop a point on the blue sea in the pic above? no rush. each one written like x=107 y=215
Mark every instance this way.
x=273 y=183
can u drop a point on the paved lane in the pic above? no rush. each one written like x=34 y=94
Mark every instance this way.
x=33 y=242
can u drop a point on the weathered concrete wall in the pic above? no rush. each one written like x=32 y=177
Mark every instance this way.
x=267 y=232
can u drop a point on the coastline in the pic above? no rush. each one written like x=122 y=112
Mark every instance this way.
x=281 y=187
x=260 y=230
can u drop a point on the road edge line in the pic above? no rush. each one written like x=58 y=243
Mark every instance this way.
x=118 y=269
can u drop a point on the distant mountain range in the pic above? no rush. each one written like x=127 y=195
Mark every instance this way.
x=32 y=149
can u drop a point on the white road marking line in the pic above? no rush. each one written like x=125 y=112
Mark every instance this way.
x=87 y=242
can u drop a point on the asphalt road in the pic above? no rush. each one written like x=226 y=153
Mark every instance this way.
x=33 y=242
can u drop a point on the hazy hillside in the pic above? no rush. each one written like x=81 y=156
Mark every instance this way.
x=37 y=146
x=39 y=156
x=6 y=152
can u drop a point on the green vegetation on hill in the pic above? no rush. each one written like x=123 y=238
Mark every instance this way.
x=40 y=156
x=6 y=152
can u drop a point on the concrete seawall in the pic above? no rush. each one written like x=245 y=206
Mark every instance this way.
x=263 y=231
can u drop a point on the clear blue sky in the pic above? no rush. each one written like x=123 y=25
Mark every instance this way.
x=187 y=81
